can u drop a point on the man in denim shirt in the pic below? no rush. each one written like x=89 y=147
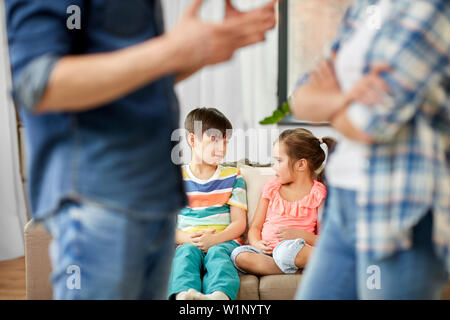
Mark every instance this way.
x=99 y=108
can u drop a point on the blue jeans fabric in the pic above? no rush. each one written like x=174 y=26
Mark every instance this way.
x=337 y=271
x=103 y=254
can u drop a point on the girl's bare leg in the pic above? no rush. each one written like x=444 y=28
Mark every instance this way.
x=257 y=264
x=303 y=256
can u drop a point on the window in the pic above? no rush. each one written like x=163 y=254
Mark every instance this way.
x=307 y=29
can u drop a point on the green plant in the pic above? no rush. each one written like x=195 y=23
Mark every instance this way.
x=278 y=114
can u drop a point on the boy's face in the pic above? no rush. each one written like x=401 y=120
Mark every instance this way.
x=211 y=148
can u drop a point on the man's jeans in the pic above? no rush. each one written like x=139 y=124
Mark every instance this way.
x=337 y=271
x=103 y=254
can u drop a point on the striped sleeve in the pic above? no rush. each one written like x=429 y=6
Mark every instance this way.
x=239 y=193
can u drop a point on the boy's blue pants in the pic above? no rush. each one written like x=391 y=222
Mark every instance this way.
x=190 y=263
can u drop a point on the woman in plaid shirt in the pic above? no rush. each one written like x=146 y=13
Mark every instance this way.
x=386 y=233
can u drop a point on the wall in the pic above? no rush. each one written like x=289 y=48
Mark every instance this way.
x=13 y=214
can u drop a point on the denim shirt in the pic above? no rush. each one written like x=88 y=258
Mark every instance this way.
x=118 y=155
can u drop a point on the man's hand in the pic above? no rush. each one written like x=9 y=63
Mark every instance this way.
x=204 y=239
x=230 y=11
x=84 y=82
x=199 y=43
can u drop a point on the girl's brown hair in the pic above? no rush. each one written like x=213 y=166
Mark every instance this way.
x=302 y=144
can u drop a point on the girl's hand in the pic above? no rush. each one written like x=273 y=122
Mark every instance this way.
x=263 y=246
x=204 y=239
x=370 y=89
x=289 y=233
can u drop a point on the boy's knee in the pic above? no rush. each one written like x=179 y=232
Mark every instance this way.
x=217 y=250
x=188 y=249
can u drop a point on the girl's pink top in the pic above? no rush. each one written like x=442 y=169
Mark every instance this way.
x=300 y=214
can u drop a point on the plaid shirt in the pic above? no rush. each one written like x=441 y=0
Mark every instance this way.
x=407 y=172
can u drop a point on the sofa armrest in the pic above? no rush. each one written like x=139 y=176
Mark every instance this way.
x=37 y=262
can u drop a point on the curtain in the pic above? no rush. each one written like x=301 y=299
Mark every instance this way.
x=244 y=88
x=13 y=214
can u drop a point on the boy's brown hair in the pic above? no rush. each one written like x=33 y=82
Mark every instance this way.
x=210 y=118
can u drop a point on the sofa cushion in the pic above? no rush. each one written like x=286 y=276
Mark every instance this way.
x=255 y=178
x=249 y=287
x=278 y=287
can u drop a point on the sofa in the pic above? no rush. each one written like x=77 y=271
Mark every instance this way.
x=274 y=287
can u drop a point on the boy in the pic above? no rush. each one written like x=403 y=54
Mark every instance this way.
x=216 y=215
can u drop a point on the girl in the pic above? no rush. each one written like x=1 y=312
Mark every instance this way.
x=284 y=227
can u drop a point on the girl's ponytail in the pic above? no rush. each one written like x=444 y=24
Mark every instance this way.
x=331 y=144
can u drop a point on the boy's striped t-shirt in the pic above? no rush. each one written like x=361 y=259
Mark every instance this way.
x=210 y=200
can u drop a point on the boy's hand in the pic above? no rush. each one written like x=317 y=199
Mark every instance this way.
x=204 y=239
x=263 y=246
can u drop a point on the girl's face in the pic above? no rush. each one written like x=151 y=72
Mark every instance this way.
x=281 y=165
x=210 y=149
